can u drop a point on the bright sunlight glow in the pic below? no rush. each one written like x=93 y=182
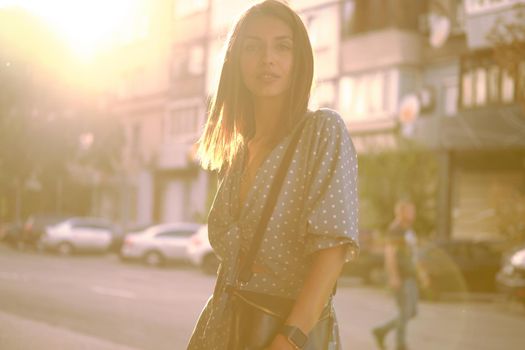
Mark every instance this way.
x=88 y=26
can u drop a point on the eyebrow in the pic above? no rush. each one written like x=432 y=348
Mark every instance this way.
x=282 y=37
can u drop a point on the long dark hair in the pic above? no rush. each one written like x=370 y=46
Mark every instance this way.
x=230 y=117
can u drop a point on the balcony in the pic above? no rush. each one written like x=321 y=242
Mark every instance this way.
x=388 y=47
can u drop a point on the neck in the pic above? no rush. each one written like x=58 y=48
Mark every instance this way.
x=267 y=113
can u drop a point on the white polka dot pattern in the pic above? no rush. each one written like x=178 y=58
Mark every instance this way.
x=317 y=208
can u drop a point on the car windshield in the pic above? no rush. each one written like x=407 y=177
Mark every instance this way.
x=90 y=223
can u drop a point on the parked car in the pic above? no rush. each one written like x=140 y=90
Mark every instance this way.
x=458 y=266
x=120 y=235
x=201 y=253
x=159 y=244
x=78 y=234
x=511 y=277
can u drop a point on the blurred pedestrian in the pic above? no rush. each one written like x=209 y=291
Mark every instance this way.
x=257 y=126
x=402 y=273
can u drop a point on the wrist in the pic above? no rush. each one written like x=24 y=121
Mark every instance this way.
x=282 y=342
x=294 y=335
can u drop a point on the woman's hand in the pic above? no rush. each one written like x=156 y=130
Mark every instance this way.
x=280 y=343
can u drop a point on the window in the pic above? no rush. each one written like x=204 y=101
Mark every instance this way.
x=196 y=60
x=187 y=61
x=100 y=227
x=183 y=122
x=452 y=9
x=481 y=86
x=376 y=84
x=451 y=99
x=91 y=225
x=320 y=36
x=348 y=13
x=507 y=87
x=366 y=96
x=484 y=82
x=174 y=234
x=360 y=16
x=467 y=89
x=323 y=95
x=479 y=198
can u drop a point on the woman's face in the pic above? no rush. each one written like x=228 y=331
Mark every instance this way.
x=267 y=56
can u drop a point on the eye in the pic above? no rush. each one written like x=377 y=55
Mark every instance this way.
x=284 y=47
x=250 y=47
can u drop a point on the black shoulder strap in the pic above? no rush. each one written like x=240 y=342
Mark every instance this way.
x=246 y=272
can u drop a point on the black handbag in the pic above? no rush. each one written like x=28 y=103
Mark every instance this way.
x=257 y=317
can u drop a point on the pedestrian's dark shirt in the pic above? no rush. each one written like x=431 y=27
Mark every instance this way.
x=396 y=235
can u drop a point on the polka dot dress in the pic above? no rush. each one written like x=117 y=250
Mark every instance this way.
x=317 y=208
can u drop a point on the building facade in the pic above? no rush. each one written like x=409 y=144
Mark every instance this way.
x=478 y=125
x=160 y=99
x=369 y=56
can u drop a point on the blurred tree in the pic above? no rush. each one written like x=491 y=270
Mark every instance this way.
x=387 y=175
x=27 y=104
x=42 y=118
x=507 y=36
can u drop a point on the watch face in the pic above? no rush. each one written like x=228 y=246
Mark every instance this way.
x=295 y=335
x=299 y=338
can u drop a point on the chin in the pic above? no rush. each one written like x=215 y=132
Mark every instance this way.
x=269 y=93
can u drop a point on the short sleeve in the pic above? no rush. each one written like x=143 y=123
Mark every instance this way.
x=332 y=206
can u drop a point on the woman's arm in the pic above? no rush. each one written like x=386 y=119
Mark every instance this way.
x=318 y=286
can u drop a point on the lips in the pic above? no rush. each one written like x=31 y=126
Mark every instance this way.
x=267 y=77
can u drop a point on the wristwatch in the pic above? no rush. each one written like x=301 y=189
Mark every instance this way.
x=294 y=336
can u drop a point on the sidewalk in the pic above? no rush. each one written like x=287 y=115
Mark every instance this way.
x=450 y=325
x=21 y=334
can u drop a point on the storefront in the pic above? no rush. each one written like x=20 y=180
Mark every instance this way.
x=482 y=171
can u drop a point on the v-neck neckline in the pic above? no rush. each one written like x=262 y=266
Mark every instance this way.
x=242 y=206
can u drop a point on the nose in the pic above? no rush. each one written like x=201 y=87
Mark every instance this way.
x=268 y=56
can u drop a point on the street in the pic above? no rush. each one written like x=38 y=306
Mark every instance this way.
x=97 y=302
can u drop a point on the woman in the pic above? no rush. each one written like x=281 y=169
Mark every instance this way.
x=260 y=102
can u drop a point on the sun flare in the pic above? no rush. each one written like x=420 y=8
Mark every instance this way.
x=88 y=27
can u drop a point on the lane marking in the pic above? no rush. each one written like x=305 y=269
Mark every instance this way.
x=113 y=292
x=13 y=276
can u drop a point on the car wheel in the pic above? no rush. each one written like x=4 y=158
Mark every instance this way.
x=65 y=249
x=153 y=258
x=210 y=264
x=123 y=258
